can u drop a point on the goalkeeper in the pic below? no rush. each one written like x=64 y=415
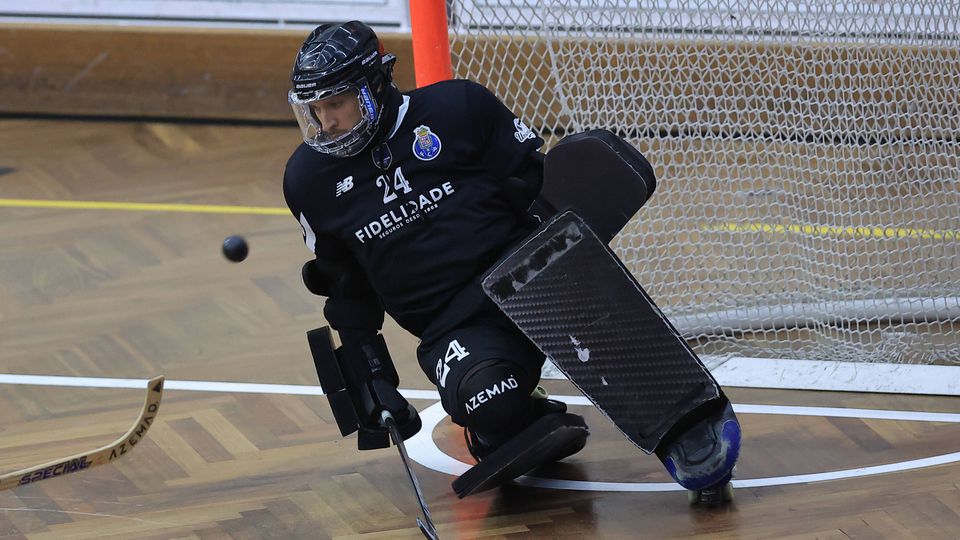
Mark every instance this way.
x=405 y=199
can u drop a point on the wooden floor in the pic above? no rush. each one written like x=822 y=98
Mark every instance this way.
x=135 y=293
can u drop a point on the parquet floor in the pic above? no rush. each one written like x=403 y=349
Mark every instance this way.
x=135 y=293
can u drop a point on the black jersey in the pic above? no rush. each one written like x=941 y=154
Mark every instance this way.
x=423 y=212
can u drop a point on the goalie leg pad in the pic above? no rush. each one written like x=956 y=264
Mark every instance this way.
x=600 y=176
x=576 y=300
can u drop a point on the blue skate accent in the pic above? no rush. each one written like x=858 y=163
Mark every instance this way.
x=697 y=468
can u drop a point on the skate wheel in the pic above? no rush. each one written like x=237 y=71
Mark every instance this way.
x=727 y=492
x=712 y=496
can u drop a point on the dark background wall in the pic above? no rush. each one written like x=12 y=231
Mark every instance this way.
x=157 y=72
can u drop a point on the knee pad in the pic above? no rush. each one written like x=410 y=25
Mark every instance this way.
x=492 y=397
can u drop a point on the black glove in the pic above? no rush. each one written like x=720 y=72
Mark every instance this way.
x=520 y=193
x=360 y=382
x=317 y=281
x=523 y=188
x=352 y=304
x=372 y=381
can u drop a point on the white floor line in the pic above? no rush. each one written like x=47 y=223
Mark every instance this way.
x=423 y=449
x=745 y=372
x=733 y=372
x=198 y=386
x=193 y=386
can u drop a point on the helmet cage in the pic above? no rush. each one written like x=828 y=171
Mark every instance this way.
x=356 y=138
x=346 y=144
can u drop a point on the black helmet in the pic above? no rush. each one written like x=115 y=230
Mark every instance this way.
x=338 y=58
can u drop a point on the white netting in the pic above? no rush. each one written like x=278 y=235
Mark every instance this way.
x=807 y=152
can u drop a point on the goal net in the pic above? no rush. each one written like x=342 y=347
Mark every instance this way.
x=807 y=153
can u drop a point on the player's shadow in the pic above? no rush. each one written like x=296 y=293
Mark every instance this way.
x=515 y=495
x=561 y=470
x=520 y=500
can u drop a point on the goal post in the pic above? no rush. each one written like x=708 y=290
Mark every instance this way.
x=807 y=152
x=431 y=48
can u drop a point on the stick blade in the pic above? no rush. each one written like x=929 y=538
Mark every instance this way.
x=99 y=456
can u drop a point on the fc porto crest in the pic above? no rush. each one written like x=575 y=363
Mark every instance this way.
x=426 y=144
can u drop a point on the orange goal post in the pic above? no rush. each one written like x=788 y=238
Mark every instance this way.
x=431 y=48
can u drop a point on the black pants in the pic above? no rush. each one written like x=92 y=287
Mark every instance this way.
x=483 y=366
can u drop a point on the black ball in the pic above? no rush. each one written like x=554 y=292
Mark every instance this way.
x=235 y=248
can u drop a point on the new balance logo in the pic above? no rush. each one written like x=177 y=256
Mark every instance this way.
x=344 y=185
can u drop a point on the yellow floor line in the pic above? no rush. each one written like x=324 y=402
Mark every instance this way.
x=812 y=230
x=830 y=230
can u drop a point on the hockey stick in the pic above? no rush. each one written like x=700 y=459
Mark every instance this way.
x=427 y=529
x=93 y=458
